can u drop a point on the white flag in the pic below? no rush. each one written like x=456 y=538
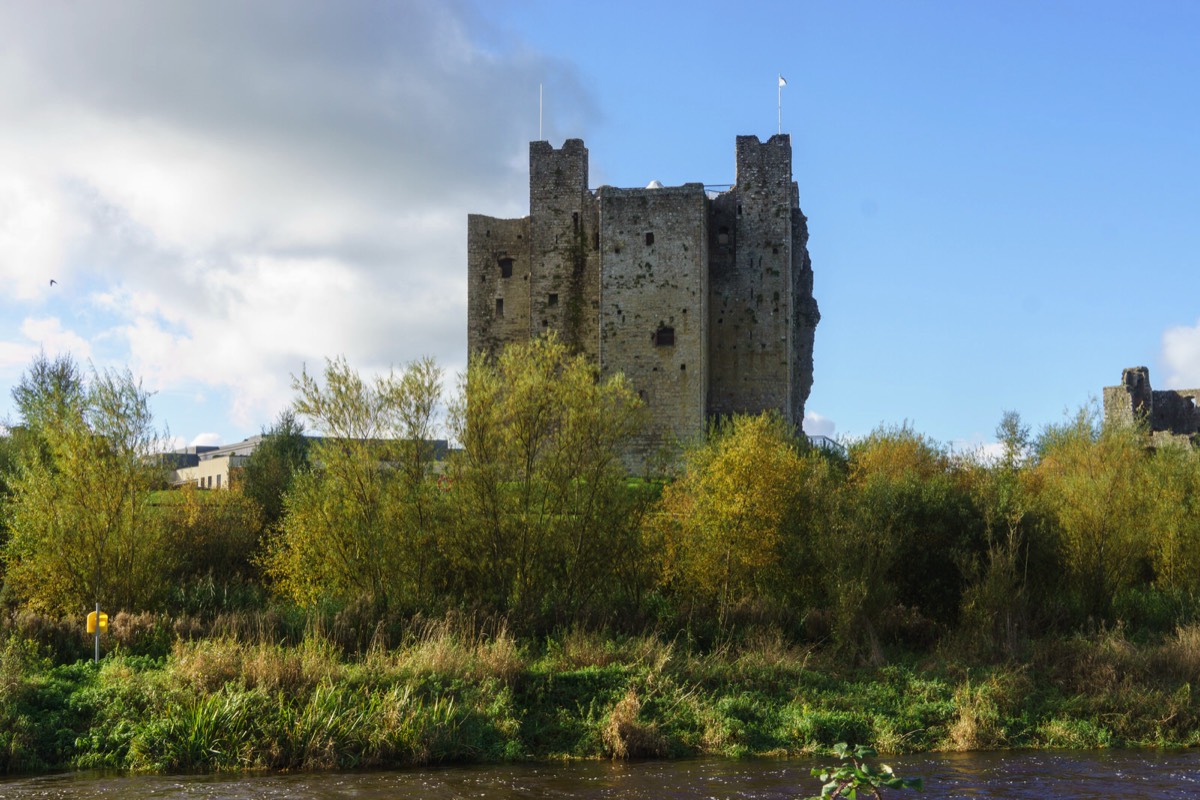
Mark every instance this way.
x=782 y=82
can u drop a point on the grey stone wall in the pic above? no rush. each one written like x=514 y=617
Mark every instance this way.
x=1172 y=415
x=498 y=269
x=564 y=283
x=763 y=315
x=704 y=303
x=653 y=306
x=805 y=316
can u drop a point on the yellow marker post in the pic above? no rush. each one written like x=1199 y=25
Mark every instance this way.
x=97 y=622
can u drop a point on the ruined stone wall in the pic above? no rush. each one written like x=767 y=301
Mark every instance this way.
x=653 y=306
x=1171 y=415
x=498 y=269
x=564 y=284
x=761 y=282
x=805 y=316
x=1177 y=411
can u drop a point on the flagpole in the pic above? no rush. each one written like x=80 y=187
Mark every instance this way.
x=779 y=102
x=539 y=112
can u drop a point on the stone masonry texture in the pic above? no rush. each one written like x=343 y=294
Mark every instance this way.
x=704 y=300
x=1172 y=415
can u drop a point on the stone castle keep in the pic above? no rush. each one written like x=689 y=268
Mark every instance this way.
x=704 y=300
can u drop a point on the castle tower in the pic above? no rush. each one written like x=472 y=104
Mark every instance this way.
x=529 y=276
x=498 y=267
x=564 y=280
x=704 y=301
x=762 y=314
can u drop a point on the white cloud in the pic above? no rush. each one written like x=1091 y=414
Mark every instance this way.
x=818 y=425
x=15 y=356
x=50 y=336
x=1181 y=355
x=171 y=444
x=982 y=451
x=41 y=334
x=34 y=229
x=205 y=440
x=226 y=191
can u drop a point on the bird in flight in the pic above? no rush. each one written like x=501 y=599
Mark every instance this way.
x=53 y=282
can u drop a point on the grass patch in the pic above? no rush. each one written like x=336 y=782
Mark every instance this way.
x=454 y=693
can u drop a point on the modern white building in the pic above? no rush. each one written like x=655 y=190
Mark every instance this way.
x=210 y=467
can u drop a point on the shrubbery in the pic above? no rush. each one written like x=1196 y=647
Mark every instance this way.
x=760 y=553
x=900 y=542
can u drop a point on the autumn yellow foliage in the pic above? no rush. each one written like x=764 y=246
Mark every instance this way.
x=724 y=522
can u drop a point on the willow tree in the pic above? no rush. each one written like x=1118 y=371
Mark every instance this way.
x=545 y=525
x=734 y=520
x=360 y=524
x=82 y=525
x=906 y=522
x=1173 y=515
x=1093 y=485
x=267 y=475
x=996 y=603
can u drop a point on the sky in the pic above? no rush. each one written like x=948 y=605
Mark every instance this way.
x=1002 y=197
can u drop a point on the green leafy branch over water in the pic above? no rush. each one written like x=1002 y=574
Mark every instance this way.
x=855 y=774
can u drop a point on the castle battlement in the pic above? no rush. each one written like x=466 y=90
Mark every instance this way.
x=704 y=303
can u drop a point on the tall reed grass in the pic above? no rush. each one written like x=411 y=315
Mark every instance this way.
x=457 y=689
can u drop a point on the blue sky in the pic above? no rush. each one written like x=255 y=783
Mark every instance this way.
x=1002 y=197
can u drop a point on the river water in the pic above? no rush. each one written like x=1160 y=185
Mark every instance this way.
x=1022 y=776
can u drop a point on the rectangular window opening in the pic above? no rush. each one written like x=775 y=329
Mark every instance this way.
x=499 y=306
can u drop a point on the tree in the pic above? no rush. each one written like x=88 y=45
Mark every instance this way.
x=996 y=603
x=361 y=523
x=726 y=523
x=49 y=390
x=1172 y=496
x=1093 y=486
x=217 y=537
x=544 y=520
x=8 y=468
x=82 y=526
x=267 y=474
x=905 y=524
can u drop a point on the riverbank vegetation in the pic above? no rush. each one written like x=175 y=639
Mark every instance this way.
x=352 y=602
x=452 y=693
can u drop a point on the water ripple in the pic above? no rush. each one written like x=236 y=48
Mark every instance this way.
x=1161 y=775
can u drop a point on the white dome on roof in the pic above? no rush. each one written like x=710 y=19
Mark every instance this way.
x=654 y=185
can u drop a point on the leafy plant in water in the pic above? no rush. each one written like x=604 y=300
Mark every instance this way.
x=855 y=774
